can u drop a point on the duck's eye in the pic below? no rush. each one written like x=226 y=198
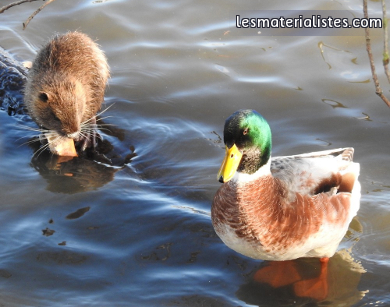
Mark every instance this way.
x=245 y=132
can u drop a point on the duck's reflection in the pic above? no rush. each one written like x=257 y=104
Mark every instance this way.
x=304 y=281
x=89 y=171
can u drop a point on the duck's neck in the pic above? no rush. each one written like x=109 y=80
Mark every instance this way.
x=243 y=178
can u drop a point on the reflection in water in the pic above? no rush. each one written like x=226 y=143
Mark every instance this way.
x=304 y=281
x=161 y=253
x=48 y=232
x=326 y=142
x=321 y=46
x=364 y=81
x=366 y=117
x=61 y=257
x=89 y=171
x=333 y=103
x=73 y=176
x=78 y=213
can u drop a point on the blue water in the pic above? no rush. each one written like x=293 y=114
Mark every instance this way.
x=137 y=232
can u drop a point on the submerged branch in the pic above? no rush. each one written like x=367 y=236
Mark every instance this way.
x=385 y=42
x=35 y=13
x=6 y=7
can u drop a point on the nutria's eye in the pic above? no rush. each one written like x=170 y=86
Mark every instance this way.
x=43 y=97
x=246 y=130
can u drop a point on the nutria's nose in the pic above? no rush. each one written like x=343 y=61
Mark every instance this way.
x=73 y=135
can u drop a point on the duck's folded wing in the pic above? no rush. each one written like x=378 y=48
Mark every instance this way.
x=329 y=171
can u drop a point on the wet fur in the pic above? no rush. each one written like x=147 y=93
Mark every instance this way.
x=65 y=86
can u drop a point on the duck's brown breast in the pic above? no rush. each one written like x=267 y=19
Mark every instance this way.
x=260 y=213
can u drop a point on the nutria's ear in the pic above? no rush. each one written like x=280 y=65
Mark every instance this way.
x=43 y=96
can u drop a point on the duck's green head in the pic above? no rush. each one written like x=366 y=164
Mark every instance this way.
x=248 y=141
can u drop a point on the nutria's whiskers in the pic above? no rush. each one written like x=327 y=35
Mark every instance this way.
x=83 y=134
x=102 y=118
x=46 y=136
x=40 y=150
x=33 y=138
x=25 y=127
x=30 y=141
x=103 y=129
x=43 y=134
x=92 y=124
x=105 y=110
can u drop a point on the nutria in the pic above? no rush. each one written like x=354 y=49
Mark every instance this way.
x=65 y=87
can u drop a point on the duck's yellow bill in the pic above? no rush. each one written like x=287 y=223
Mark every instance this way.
x=230 y=164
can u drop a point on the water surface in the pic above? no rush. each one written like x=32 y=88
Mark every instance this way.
x=138 y=232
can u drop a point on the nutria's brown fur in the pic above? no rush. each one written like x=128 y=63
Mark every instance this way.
x=65 y=86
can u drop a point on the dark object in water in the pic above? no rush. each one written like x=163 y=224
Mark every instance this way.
x=13 y=76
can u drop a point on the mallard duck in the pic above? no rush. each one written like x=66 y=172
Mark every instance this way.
x=282 y=208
